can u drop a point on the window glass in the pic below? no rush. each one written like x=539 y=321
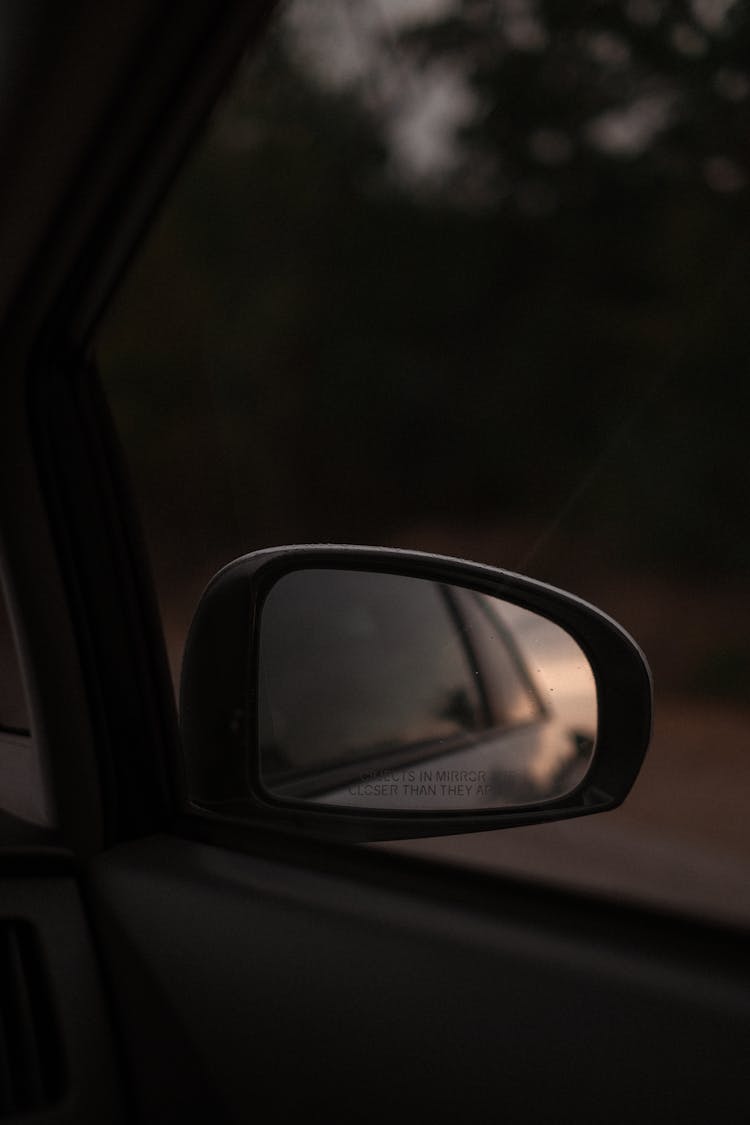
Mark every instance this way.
x=513 y=696
x=474 y=278
x=353 y=665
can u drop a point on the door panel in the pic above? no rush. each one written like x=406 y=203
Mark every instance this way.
x=399 y=991
x=57 y=1055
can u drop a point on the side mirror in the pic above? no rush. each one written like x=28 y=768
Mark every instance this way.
x=374 y=694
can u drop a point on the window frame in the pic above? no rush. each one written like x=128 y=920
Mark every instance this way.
x=79 y=589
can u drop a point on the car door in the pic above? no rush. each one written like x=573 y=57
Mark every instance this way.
x=197 y=967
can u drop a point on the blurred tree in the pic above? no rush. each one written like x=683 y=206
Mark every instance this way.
x=475 y=261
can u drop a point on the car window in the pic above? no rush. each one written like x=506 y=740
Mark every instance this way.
x=509 y=670
x=474 y=279
x=356 y=665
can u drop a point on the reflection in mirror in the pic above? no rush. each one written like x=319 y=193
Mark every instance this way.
x=386 y=692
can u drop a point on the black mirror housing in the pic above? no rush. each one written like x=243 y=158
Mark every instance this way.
x=220 y=704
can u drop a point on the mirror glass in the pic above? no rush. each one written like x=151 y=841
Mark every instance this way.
x=386 y=692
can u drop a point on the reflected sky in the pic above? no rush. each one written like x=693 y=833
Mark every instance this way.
x=560 y=669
